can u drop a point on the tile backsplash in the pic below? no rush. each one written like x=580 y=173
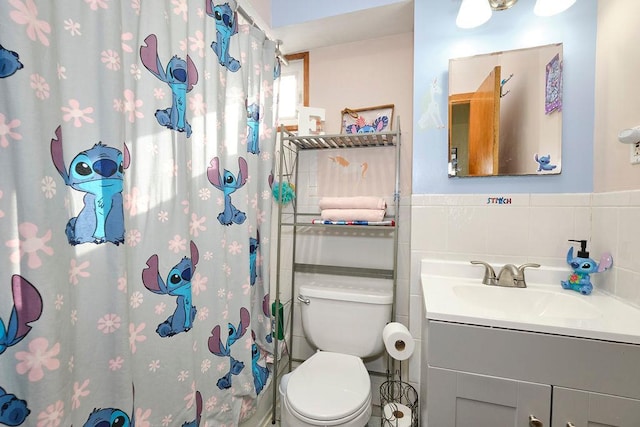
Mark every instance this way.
x=531 y=228
x=616 y=228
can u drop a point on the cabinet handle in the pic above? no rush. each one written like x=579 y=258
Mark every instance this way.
x=534 y=422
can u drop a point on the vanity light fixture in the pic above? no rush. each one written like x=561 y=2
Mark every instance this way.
x=629 y=136
x=501 y=4
x=473 y=13
x=551 y=7
x=632 y=137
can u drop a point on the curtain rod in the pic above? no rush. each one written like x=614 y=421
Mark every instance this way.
x=252 y=21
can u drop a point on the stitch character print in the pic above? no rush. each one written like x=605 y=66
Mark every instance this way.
x=253 y=125
x=113 y=417
x=361 y=126
x=544 y=163
x=9 y=62
x=108 y=417
x=254 y=245
x=27 y=308
x=226 y=26
x=219 y=349
x=178 y=284
x=180 y=75
x=260 y=373
x=99 y=173
x=228 y=183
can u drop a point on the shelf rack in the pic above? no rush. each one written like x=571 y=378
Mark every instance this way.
x=294 y=145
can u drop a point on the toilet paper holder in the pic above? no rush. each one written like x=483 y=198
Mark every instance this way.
x=399 y=404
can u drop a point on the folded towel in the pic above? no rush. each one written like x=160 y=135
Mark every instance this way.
x=352 y=214
x=356 y=202
x=389 y=222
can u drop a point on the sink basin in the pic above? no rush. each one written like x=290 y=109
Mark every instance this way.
x=518 y=302
x=453 y=292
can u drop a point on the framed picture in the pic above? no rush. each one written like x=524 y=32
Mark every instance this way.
x=367 y=120
x=553 y=86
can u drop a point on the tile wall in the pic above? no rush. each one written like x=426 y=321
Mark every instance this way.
x=616 y=228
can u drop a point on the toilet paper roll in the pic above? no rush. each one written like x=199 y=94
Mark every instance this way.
x=398 y=341
x=399 y=415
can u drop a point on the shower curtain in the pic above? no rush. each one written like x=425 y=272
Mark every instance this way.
x=136 y=150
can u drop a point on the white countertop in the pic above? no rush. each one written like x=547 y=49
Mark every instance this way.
x=453 y=292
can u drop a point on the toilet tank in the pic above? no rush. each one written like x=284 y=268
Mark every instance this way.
x=345 y=318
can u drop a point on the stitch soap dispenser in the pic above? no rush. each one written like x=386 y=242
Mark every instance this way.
x=583 y=266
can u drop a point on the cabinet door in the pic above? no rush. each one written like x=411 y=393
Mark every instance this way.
x=460 y=399
x=586 y=409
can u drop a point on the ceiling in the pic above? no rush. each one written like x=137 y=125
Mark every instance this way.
x=365 y=24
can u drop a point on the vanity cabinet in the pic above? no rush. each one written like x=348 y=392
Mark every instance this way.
x=480 y=376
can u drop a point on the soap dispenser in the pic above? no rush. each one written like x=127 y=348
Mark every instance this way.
x=583 y=266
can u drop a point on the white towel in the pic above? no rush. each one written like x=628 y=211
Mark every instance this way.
x=352 y=214
x=356 y=202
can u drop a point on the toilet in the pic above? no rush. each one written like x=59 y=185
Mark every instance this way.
x=332 y=387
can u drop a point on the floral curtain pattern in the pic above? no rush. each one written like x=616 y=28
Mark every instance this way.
x=136 y=150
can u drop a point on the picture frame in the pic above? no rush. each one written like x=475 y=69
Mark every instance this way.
x=367 y=120
x=553 y=86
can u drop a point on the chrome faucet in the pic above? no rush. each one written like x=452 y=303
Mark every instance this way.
x=513 y=276
x=509 y=276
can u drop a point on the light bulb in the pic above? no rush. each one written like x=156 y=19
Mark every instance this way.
x=551 y=7
x=473 y=13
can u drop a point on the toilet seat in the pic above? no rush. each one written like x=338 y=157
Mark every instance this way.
x=358 y=418
x=329 y=388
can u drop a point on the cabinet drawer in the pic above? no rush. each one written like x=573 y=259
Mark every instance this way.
x=577 y=363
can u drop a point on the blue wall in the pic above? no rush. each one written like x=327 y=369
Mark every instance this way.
x=437 y=39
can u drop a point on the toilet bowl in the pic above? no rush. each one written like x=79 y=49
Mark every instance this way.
x=328 y=389
x=332 y=387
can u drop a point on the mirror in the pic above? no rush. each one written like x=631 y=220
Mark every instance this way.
x=505 y=113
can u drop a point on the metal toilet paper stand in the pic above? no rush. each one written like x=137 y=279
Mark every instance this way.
x=398 y=399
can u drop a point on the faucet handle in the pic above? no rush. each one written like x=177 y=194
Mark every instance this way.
x=520 y=277
x=527 y=265
x=489 y=274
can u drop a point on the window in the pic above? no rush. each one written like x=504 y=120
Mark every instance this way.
x=294 y=89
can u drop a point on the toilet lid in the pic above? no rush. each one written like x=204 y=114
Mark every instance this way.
x=329 y=386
